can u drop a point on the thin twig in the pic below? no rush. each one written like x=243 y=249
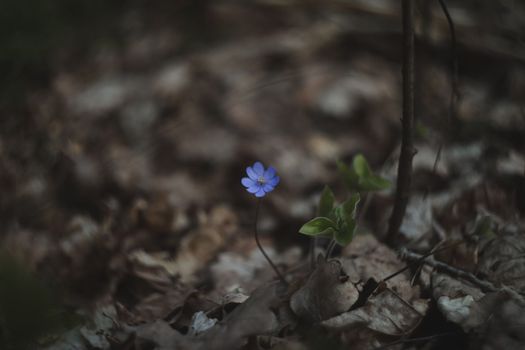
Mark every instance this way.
x=485 y=286
x=404 y=172
x=260 y=246
x=437 y=249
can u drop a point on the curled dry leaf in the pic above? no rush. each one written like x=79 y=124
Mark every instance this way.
x=327 y=292
x=504 y=328
x=258 y=315
x=160 y=305
x=502 y=260
x=196 y=249
x=386 y=313
x=456 y=310
x=367 y=258
x=395 y=310
x=157 y=269
x=465 y=304
x=444 y=285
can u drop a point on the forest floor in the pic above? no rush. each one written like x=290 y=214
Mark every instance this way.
x=121 y=185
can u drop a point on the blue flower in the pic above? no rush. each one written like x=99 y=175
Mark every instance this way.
x=260 y=181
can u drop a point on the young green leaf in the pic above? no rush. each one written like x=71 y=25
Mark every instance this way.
x=374 y=183
x=345 y=212
x=345 y=234
x=360 y=177
x=326 y=202
x=318 y=226
x=361 y=167
x=350 y=178
x=350 y=206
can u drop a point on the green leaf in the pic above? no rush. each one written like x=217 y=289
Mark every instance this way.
x=360 y=177
x=346 y=213
x=326 y=202
x=339 y=216
x=361 y=167
x=318 y=226
x=345 y=234
x=350 y=178
x=374 y=183
x=350 y=206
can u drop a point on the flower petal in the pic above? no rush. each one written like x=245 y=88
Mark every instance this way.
x=268 y=188
x=247 y=182
x=258 y=168
x=253 y=189
x=260 y=193
x=274 y=181
x=269 y=173
x=251 y=173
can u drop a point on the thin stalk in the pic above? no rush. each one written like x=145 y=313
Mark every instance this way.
x=330 y=249
x=260 y=246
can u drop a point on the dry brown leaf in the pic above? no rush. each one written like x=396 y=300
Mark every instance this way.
x=156 y=269
x=160 y=305
x=504 y=327
x=200 y=245
x=326 y=293
x=367 y=258
x=502 y=260
x=256 y=316
x=247 y=268
x=385 y=313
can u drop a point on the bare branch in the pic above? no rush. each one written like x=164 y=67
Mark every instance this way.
x=404 y=173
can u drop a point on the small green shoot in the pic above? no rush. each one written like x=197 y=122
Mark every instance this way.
x=359 y=177
x=339 y=223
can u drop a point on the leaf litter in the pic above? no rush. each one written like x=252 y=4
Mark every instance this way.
x=124 y=197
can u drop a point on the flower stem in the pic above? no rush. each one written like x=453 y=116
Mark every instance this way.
x=260 y=246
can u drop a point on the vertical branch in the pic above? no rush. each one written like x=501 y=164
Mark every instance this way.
x=404 y=171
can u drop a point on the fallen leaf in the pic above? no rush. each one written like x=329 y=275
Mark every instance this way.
x=327 y=292
x=386 y=313
x=200 y=323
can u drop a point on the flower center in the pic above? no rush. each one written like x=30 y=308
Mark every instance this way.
x=261 y=180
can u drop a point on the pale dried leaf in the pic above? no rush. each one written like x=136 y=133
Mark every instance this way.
x=254 y=317
x=455 y=310
x=385 y=313
x=502 y=260
x=327 y=292
x=200 y=323
x=367 y=258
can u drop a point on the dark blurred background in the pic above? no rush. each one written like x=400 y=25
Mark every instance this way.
x=124 y=123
